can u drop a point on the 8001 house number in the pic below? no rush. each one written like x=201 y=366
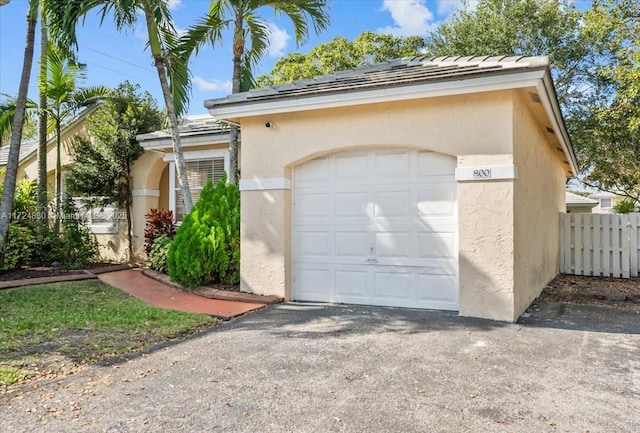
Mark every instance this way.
x=482 y=173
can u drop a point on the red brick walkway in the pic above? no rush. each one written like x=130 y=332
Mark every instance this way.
x=155 y=293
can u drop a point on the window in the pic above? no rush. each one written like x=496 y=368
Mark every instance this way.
x=99 y=220
x=605 y=203
x=200 y=167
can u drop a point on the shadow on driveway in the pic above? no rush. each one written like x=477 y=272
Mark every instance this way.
x=592 y=318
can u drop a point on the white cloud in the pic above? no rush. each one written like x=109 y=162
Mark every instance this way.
x=448 y=7
x=174 y=4
x=278 y=40
x=212 y=86
x=412 y=18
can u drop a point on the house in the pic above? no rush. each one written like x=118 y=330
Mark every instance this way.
x=205 y=145
x=605 y=201
x=429 y=183
x=579 y=204
x=109 y=232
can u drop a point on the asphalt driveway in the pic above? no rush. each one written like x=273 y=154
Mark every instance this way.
x=312 y=368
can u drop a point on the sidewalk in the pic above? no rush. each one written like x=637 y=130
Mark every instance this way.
x=155 y=293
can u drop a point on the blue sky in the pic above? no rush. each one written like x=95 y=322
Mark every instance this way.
x=113 y=57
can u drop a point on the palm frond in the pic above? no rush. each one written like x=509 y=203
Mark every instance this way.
x=7 y=111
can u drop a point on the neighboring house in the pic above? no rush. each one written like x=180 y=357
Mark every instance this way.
x=109 y=231
x=205 y=145
x=579 y=204
x=605 y=201
x=422 y=183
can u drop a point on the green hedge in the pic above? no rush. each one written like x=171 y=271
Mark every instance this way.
x=206 y=248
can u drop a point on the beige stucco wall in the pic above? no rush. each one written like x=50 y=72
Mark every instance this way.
x=486 y=242
x=539 y=198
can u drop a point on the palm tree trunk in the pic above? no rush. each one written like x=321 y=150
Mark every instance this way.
x=6 y=205
x=181 y=169
x=43 y=221
x=56 y=226
x=234 y=130
x=128 y=204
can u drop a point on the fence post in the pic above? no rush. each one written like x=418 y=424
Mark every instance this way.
x=633 y=243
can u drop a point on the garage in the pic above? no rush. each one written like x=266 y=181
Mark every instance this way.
x=376 y=227
x=427 y=182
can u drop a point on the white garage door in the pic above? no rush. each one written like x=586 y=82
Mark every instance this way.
x=377 y=228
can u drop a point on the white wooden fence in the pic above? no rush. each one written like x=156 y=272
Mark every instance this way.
x=599 y=244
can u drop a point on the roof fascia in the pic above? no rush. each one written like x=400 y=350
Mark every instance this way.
x=228 y=113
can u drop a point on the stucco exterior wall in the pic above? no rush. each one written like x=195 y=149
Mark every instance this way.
x=486 y=242
x=539 y=198
x=475 y=128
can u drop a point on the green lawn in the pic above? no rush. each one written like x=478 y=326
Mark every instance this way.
x=46 y=326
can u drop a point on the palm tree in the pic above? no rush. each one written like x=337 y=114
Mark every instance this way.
x=42 y=128
x=63 y=101
x=18 y=122
x=247 y=26
x=166 y=50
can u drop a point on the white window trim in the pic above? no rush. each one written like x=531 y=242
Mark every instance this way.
x=610 y=200
x=100 y=229
x=199 y=155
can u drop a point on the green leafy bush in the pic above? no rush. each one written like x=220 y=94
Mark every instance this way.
x=206 y=248
x=159 y=222
x=18 y=248
x=79 y=246
x=159 y=252
x=624 y=206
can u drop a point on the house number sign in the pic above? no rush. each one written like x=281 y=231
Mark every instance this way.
x=486 y=173
x=482 y=173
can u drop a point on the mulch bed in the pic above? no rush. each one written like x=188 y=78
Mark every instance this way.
x=617 y=292
x=45 y=272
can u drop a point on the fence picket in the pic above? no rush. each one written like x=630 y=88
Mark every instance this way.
x=625 y=257
x=567 y=243
x=586 y=245
x=597 y=246
x=633 y=244
x=616 y=270
x=606 y=245
x=577 y=225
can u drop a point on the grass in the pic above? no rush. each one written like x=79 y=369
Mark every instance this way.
x=79 y=322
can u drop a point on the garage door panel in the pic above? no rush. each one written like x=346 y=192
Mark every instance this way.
x=392 y=244
x=314 y=284
x=313 y=244
x=352 y=244
x=434 y=164
x=436 y=245
x=437 y=202
x=391 y=164
x=352 y=285
x=313 y=205
x=392 y=286
x=350 y=166
x=437 y=290
x=313 y=171
x=351 y=204
x=392 y=204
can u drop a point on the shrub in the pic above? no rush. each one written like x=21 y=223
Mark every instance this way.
x=159 y=222
x=18 y=248
x=47 y=248
x=159 y=252
x=206 y=248
x=624 y=206
x=79 y=246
